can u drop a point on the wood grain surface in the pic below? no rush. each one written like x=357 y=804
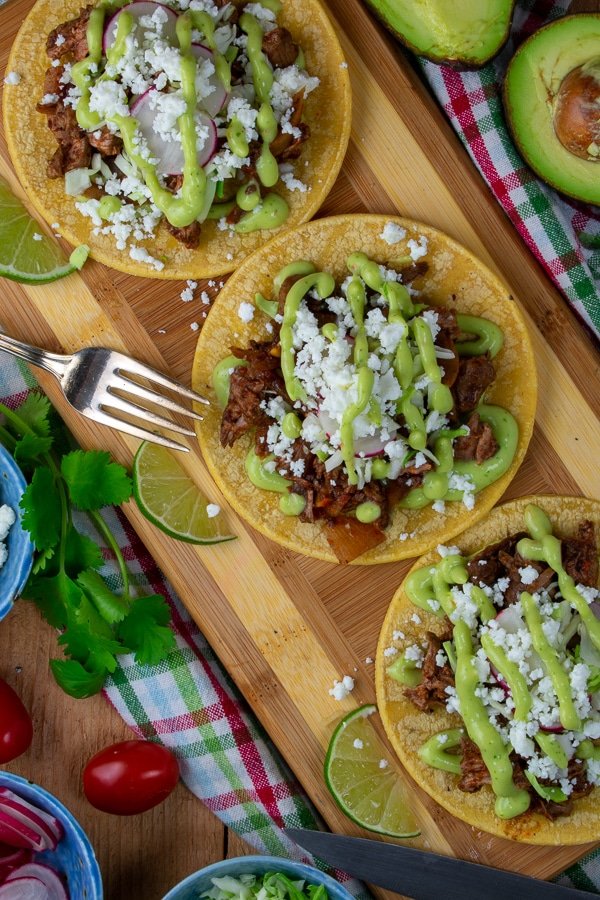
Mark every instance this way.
x=286 y=626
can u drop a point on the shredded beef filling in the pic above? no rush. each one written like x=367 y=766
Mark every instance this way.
x=249 y=385
x=279 y=47
x=432 y=689
x=479 y=444
x=580 y=555
x=475 y=374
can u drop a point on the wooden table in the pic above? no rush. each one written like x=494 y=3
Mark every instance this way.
x=140 y=856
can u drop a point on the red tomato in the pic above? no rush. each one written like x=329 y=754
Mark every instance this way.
x=16 y=730
x=130 y=777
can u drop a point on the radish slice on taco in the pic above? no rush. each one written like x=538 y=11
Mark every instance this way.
x=374 y=389
x=171 y=137
x=488 y=672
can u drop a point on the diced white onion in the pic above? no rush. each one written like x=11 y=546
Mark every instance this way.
x=77 y=181
x=96 y=162
x=335 y=460
x=443 y=352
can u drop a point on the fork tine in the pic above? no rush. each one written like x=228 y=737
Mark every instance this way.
x=132 y=387
x=125 y=364
x=141 y=412
x=98 y=415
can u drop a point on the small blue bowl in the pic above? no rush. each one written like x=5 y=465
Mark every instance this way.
x=194 y=885
x=15 y=571
x=74 y=856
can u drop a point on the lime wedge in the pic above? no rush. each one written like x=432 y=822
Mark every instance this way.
x=363 y=782
x=26 y=254
x=168 y=497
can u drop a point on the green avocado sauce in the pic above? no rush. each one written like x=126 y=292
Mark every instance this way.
x=324 y=284
x=202 y=21
x=368 y=512
x=510 y=800
x=506 y=432
x=292 y=504
x=488 y=337
x=221 y=375
x=261 y=477
x=270 y=213
x=511 y=674
x=544 y=546
x=435 y=753
x=405 y=671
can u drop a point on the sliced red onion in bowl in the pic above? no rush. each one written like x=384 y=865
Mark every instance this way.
x=216 y=100
x=18 y=834
x=52 y=822
x=11 y=858
x=169 y=154
x=138 y=10
x=24 y=888
x=48 y=877
x=30 y=819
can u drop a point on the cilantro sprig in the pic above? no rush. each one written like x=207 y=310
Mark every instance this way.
x=95 y=622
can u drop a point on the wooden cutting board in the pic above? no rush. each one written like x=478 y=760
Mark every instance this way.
x=287 y=626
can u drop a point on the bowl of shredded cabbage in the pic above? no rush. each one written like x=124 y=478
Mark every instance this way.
x=258 y=878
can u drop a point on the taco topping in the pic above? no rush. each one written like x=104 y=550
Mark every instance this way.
x=362 y=398
x=176 y=112
x=518 y=662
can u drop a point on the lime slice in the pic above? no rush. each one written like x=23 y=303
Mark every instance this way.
x=168 y=497
x=363 y=782
x=26 y=254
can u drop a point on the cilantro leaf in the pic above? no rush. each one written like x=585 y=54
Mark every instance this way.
x=111 y=607
x=145 y=629
x=86 y=615
x=58 y=597
x=31 y=447
x=94 y=481
x=91 y=650
x=42 y=514
x=71 y=676
x=42 y=560
x=35 y=411
x=81 y=553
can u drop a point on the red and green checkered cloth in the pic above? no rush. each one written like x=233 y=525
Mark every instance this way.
x=558 y=231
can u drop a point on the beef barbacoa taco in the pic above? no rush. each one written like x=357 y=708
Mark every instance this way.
x=488 y=672
x=172 y=138
x=373 y=389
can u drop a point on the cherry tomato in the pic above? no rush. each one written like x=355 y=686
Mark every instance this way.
x=130 y=777
x=16 y=730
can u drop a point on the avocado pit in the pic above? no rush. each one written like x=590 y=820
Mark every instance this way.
x=577 y=111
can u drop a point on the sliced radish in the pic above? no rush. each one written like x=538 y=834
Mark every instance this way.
x=24 y=889
x=19 y=834
x=47 y=876
x=54 y=823
x=216 y=100
x=169 y=154
x=32 y=819
x=137 y=10
x=511 y=620
x=367 y=447
x=552 y=729
x=499 y=679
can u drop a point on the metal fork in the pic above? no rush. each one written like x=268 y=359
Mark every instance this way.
x=90 y=379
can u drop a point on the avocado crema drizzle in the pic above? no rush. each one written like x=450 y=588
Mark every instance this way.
x=413 y=358
x=430 y=589
x=268 y=212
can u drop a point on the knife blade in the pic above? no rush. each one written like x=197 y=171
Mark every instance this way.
x=423 y=875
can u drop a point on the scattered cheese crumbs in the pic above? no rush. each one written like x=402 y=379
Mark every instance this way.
x=416 y=618
x=528 y=574
x=383 y=763
x=398 y=635
x=194 y=326
x=212 y=510
x=12 y=78
x=246 y=311
x=229 y=256
x=60 y=39
x=55 y=226
x=358 y=744
x=417 y=249
x=341 y=689
x=343 y=65
x=447 y=551
x=392 y=233
x=390 y=651
x=36 y=236
x=438 y=506
x=162 y=330
x=7 y=519
x=187 y=293
x=140 y=254
x=369 y=660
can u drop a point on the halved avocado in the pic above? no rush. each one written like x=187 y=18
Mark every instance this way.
x=466 y=34
x=552 y=103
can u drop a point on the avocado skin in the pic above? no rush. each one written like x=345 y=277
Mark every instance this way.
x=521 y=142
x=457 y=61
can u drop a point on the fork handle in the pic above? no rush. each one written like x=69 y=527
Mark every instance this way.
x=51 y=362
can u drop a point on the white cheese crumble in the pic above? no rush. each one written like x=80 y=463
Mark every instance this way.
x=358 y=744
x=417 y=249
x=212 y=510
x=12 y=78
x=392 y=233
x=246 y=311
x=7 y=520
x=341 y=689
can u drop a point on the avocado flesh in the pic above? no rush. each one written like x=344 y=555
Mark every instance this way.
x=533 y=79
x=469 y=32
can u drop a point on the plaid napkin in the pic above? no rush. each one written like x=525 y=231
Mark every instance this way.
x=557 y=230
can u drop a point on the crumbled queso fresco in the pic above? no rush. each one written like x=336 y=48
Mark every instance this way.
x=341 y=689
x=151 y=67
x=7 y=519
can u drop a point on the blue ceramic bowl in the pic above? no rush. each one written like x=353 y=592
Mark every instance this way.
x=194 y=885
x=74 y=856
x=15 y=571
